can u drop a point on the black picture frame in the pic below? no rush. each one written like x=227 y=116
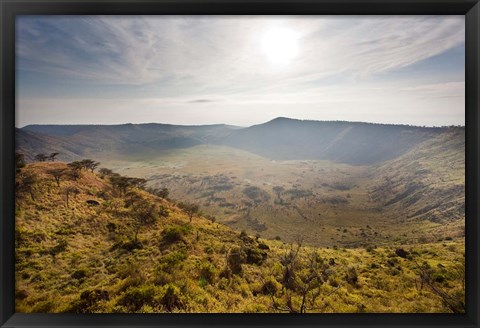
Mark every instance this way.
x=9 y=9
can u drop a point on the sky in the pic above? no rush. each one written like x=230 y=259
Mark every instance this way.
x=240 y=70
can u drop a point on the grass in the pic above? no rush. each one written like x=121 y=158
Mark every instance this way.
x=72 y=259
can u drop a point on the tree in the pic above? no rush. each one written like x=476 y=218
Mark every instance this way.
x=119 y=182
x=303 y=278
x=41 y=157
x=52 y=156
x=278 y=190
x=452 y=300
x=142 y=212
x=160 y=192
x=104 y=172
x=57 y=174
x=70 y=190
x=25 y=183
x=89 y=164
x=189 y=208
x=19 y=161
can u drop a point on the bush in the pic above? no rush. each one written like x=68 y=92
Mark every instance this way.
x=172 y=298
x=270 y=287
x=255 y=256
x=79 y=274
x=135 y=297
x=172 y=234
x=88 y=301
x=352 y=276
x=208 y=272
x=169 y=261
x=236 y=257
x=59 y=248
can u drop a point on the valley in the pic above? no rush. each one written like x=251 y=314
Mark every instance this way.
x=381 y=226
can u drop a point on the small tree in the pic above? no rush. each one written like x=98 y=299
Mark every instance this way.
x=41 y=157
x=160 y=192
x=26 y=182
x=19 y=161
x=90 y=164
x=52 y=156
x=189 y=208
x=119 y=183
x=104 y=172
x=142 y=212
x=57 y=174
x=70 y=190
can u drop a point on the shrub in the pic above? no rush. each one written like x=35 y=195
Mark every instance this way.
x=172 y=298
x=270 y=287
x=352 y=276
x=135 y=297
x=255 y=256
x=236 y=257
x=263 y=246
x=207 y=272
x=168 y=262
x=172 y=234
x=88 y=301
x=79 y=274
x=59 y=248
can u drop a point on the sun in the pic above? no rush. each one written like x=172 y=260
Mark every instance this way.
x=279 y=45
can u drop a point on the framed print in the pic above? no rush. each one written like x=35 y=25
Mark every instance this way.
x=239 y=163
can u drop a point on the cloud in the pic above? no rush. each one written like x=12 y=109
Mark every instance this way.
x=136 y=65
x=201 y=101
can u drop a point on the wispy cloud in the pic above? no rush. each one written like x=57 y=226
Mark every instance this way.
x=202 y=60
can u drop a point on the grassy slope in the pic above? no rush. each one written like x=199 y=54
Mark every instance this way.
x=63 y=253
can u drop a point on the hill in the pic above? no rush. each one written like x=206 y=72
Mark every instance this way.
x=344 y=142
x=88 y=242
x=280 y=139
x=118 y=141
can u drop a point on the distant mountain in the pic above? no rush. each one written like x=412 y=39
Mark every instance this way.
x=346 y=142
x=116 y=140
x=279 y=139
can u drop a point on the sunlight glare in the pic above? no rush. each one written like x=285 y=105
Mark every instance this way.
x=280 y=45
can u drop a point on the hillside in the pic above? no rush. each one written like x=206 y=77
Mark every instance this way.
x=280 y=139
x=119 y=141
x=343 y=142
x=99 y=242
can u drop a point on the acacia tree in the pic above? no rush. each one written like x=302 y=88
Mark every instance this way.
x=104 y=172
x=26 y=183
x=70 y=190
x=189 y=208
x=301 y=281
x=119 y=183
x=41 y=157
x=160 y=192
x=90 y=164
x=57 y=174
x=52 y=156
x=143 y=212
x=19 y=161
x=453 y=300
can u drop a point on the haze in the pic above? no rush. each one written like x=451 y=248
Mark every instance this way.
x=240 y=70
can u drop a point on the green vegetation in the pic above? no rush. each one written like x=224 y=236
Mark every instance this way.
x=91 y=243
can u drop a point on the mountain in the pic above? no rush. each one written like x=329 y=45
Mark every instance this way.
x=280 y=139
x=344 y=142
x=120 y=140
